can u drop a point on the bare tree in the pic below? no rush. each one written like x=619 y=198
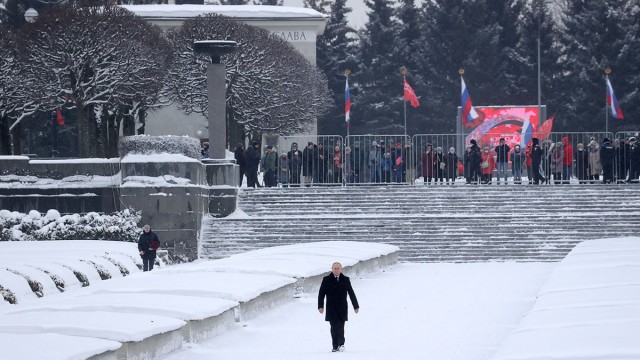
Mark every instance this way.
x=271 y=87
x=102 y=62
x=18 y=99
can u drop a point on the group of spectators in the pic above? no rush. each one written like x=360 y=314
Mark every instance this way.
x=543 y=162
x=616 y=161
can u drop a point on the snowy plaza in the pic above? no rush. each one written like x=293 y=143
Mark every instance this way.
x=584 y=307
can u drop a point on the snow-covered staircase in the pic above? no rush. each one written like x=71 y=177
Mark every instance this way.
x=431 y=223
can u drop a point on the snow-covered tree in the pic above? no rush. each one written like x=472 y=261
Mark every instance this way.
x=271 y=88
x=379 y=104
x=18 y=99
x=105 y=63
x=598 y=34
x=336 y=51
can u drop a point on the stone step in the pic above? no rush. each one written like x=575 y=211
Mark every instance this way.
x=432 y=223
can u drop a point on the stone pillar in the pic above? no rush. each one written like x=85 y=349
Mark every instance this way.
x=216 y=90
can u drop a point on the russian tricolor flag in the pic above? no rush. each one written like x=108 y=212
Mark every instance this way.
x=613 y=102
x=469 y=114
x=347 y=102
x=526 y=134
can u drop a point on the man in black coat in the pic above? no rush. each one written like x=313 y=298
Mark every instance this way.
x=335 y=288
x=147 y=245
x=607 y=157
x=536 y=159
x=252 y=158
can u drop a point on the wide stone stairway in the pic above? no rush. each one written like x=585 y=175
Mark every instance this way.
x=431 y=223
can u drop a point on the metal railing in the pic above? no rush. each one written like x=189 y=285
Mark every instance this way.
x=568 y=157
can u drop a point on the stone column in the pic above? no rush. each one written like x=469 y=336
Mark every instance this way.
x=216 y=91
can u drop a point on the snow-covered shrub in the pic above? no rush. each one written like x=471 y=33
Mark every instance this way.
x=119 y=226
x=102 y=271
x=7 y=295
x=84 y=279
x=170 y=144
x=123 y=269
x=35 y=286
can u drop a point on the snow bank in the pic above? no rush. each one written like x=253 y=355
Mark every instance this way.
x=588 y=308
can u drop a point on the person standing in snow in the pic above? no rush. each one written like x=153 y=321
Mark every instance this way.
x=148 y=243
x=335 y=288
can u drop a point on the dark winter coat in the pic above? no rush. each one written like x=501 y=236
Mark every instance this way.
x=240 y=160
x=536 y=157
x=517 y=158
x=607 y=155
x=502 y=152
x=336 y=292
x=148 y=243
x=429 y=163
x=252 y=157
x=475 y=156
x=582 y=164
x=451 y=163
x=309 y=157
x=295 y=165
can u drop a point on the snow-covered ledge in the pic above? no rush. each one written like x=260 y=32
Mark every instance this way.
x=587 y=309
x=147 y=315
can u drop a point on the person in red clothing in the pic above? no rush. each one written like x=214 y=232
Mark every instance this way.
x=487 y=165
x=567 y=160
x=527 y=154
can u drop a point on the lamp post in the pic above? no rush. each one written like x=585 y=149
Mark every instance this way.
x=607 y=71
x=216 y=91
x=346 y=73
x=31 y=15
x=404 y=73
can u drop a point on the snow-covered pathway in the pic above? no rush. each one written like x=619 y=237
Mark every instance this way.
x=410 y=311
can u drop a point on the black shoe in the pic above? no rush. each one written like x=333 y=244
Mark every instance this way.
x=334 y=350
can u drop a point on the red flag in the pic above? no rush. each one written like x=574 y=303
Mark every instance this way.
x=410 y=95
x=59 y=117
x=543 y=131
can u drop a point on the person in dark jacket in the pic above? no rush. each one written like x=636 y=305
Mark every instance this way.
x=475 y=158
x=607 y=157
x=252 y=156
x=634 y=160
x=582 y=164
x=335 y=288
x=517 y=160
x=295 y=165
x=240 y=160
x=502 y=159
x=309 y=160
x=536 y=159
x=451 y=165
x=148 y=243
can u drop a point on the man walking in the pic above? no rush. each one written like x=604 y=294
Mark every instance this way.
x=335 y=288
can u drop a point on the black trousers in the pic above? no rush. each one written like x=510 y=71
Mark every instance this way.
x=337 y=333
x=147 y=264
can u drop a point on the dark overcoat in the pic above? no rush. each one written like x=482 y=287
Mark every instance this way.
x=336 y=294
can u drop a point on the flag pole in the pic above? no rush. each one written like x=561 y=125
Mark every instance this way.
x=607 y=71
x=346 y=73
x=404 y=73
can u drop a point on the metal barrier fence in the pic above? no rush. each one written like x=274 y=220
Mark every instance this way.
x=307 y=160
x=376 y=159
x=444 y=159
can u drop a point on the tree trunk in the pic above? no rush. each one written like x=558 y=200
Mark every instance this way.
x=114 y=135
x=142 y=119
x=83 y=132
x=15 y=138
x=5 y=137
x=235 y=131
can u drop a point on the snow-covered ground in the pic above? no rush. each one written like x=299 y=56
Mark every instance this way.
x=582 y=308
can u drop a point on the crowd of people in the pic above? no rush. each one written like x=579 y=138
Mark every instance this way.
x=616 y=161
x=543 y=162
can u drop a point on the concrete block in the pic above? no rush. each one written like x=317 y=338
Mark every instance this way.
x=222 y=201
x=152 y=347
x=222 y=172
x=266 y=301
x=187 y=170
x=13 y=164
x=200 y=330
